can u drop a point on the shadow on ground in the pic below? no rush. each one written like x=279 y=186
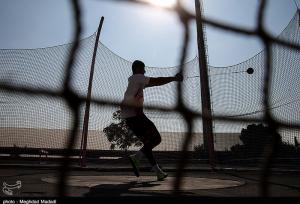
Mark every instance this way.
x=125 y=189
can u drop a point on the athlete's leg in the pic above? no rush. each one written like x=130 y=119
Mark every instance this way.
x=146 y=131
x=151 y=139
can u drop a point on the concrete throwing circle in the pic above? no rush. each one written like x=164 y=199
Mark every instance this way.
x=147 y=183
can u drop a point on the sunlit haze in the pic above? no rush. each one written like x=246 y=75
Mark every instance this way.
x=160 y=3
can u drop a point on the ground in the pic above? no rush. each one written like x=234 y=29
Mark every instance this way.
x=40 y=182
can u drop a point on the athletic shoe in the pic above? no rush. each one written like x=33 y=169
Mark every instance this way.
x=135 y=165
x=161 y=176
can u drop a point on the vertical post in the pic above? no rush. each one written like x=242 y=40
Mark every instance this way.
x=88 y=101
x=205 y=95
x=298 y=16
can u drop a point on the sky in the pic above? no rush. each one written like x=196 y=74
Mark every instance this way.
x=132 y=31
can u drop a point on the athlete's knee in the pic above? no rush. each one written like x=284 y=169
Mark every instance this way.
x=156 y=139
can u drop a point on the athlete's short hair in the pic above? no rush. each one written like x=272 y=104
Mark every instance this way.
x=137 y=65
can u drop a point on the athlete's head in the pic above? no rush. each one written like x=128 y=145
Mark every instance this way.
x=138 y=67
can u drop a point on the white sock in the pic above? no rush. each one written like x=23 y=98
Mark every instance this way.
x=139 y=155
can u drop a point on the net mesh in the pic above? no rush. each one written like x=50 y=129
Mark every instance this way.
x=45 y=122
x=236 y=93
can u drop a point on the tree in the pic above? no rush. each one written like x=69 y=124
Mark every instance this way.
x=255 y=138
x=118 y=133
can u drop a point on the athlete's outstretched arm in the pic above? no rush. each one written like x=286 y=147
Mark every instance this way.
x=159 y=81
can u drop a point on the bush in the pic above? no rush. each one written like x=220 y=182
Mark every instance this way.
x=255 y=138
x=199 y=149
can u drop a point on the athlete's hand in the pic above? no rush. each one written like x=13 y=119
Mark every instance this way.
x=179 y=77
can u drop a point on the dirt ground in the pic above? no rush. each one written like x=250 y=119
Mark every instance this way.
x=98 y=183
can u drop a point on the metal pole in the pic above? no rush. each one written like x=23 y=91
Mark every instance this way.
x=88 y=101
x=205 y=95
